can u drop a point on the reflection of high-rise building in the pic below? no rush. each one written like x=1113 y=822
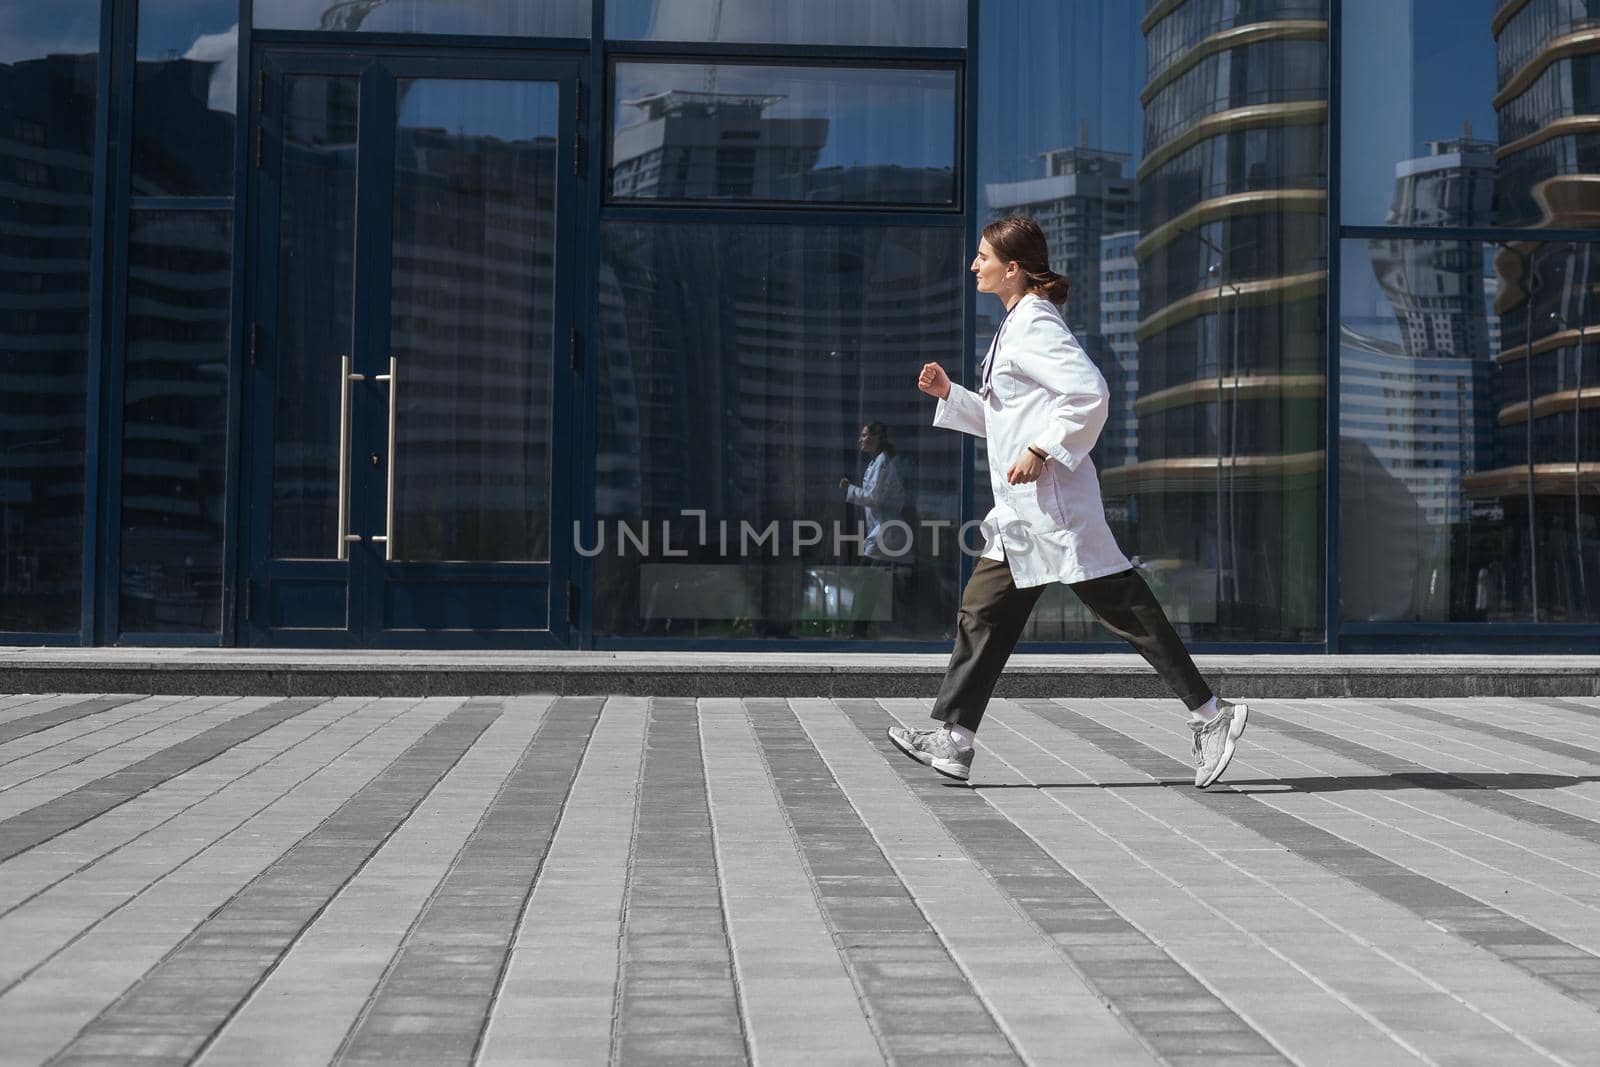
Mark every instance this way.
x=1436 y=287
x=1546 y=391
x=1082 y=197
x=47 y=111
x=1119 y=316
x=1416 y=404
x=1232 y=274
x=708 y=144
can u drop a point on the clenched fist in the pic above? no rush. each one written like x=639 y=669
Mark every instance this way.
x=934 y=381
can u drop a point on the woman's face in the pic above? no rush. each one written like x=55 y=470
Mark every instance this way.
x=989 y=268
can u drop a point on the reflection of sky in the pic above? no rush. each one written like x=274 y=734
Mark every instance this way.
x=510 y=111
x=1045 y=68
x=525 y=18
x=906 y=23
x=1413 y=73
x=202 y=30
x=874 y=116
x=56 y=27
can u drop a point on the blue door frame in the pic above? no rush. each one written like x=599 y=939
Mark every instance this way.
x=368 y=599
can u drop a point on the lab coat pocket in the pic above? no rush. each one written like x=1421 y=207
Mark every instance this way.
x=1052 y=501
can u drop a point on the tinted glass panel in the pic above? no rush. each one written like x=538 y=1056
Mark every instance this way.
x=1472 y=511
x=908 y=23
x=47 y=102
x=1178 y=169
x=1467 y=116
x=315 y=272
x=521 y=18
x=741 y=365
x=472 y=318
x=731 y=132
x=185 y=95
x=175 y=421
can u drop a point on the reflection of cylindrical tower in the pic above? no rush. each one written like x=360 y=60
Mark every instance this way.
x=1232 y=271
x=1549 y=111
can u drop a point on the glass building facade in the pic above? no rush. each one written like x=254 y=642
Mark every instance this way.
x=596 y=323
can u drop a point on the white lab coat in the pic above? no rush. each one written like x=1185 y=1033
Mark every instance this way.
x=1044 y=391
x=881 y=496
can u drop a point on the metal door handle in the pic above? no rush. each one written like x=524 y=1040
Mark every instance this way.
x=387 y=537
x=345 y=378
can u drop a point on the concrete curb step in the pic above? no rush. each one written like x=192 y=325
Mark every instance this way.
x=236 y=672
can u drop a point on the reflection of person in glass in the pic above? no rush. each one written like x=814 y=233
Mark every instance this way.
x=881 y=496
x=1040 y=406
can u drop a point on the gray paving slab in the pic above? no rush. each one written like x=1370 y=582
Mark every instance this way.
x=225 y=964
x=673 y=922
x=911 y=1015
x=686 y=876
x=1487 y=927
x=12 y=729
x=34 y=827
x=1073 y=916
x=475 y=910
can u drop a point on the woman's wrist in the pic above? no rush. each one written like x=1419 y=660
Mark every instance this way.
x=1043 y=456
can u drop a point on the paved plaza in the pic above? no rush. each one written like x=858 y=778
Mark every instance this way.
x=639 y=880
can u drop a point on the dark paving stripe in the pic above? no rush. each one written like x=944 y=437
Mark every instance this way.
x=44 y=720
x=433 y=1002
x=1566 y=704
x=38 y=825
x=917 y=998
x=1558 y=963
x=678 y=998
x=1482 y=789
x=1163 y=1005
x=1491 y=729
x=174 y=1011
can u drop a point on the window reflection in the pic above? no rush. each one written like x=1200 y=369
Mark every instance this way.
x=47 y=104
x=472 y=318
x=1189 y=211
x=732 y=132
x=185 y=94
x=1516 y=86
x=518 y=18
x=740 y=367
x=175 y=421
x=902 y=23
x=1479 y=506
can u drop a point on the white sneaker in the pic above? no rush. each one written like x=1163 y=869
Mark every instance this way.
x=934 y=748
x=1214 y=741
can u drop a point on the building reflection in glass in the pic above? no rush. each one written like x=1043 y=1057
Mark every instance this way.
x=185 y=93
x=1466 y=422
x=1227 y=484
x=1192 y=225
x=472 y=318
x=738 y=364
x=827 y=134
x=47 y=104
x=175 y=421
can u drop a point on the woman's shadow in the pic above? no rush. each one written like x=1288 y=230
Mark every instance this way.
x=1433 y=780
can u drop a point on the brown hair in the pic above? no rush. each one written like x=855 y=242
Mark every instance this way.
x=1018 y=238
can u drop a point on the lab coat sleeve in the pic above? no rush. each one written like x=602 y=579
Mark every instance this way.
x=880 y=488
x=1079 y=401
x=961 y=410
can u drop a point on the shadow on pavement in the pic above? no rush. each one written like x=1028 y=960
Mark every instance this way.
x=1326 y=784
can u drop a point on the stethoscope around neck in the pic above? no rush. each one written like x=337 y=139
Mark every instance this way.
x=985 y=387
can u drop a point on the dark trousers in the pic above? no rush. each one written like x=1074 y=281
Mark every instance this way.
x=993 y=612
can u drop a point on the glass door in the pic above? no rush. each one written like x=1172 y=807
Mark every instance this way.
x=409 y=417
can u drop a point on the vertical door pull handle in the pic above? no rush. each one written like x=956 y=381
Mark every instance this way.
x=387 y=537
